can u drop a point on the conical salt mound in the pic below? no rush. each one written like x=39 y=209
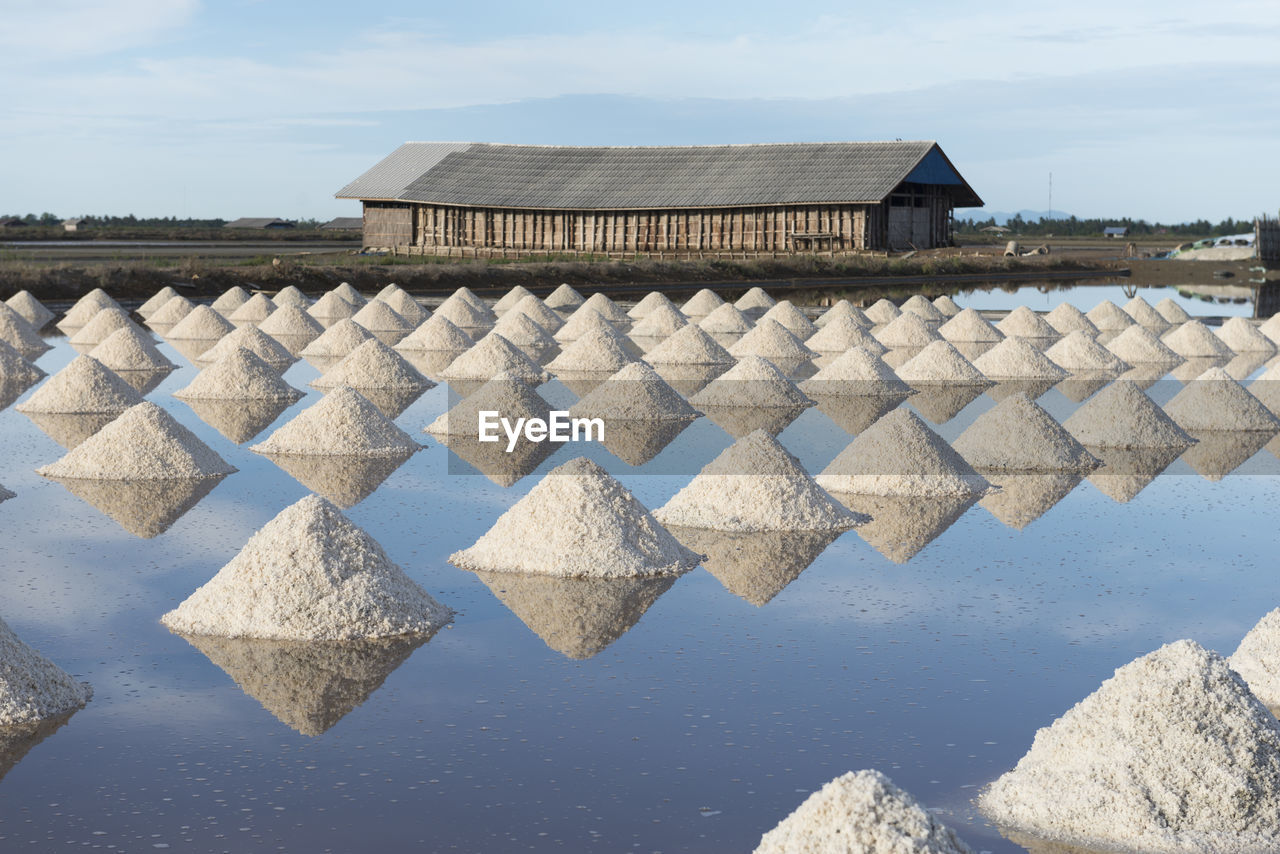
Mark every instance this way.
x=1138 y=345
x=1214 y=401
x=202 y=324
x=15 y=370
x=168 y=314
x=756 y=485
x=905 y=331
x=635 y=393
x=595 y=351
x=792 y=318
x=563 y=298
x=584 y=320
x=338 y=340
x=861 y=812
x=350 y=295
x=229 y=301
x=753 y=382
x=18 y=334
x=968 y=326
x=342 y=423
x=291 y=296
x=857 y=372
x=524 y=332
x=239 y=375
x=578 y=521
x=842 y=334
x=1173 y=750
x=436 y=333
x=156 y=300
x=1265 y=388
x=920 y=306
x=253 y=312
x=1194 y=340
x=510 y=298
x=291 y=322
x=1243 y=337
x=373 y=365
x=30 y=309
x=1022 y=322
x=377 y=316
x=540 y=313
x=144 y=443
x=492 y=355
x=1017 y=435
x=85 y=308
x=387 y=290
x=331 y=307
x=701 y=304
x=405 y=306
x=844 y=308
x=309 y=574
x=607 y=308
x=506 y=394
x=1078 y=353
x=1066 y=318
x=1257 y=659
x=1122 y=416
x=33 y=688
x=727 y=319
x=1144 y=314
x=689 y=346
x=130 y=349
x=1015 y=359
x=939 y=363
x=1109 y=317
x=900 y=455
x=83 y=386
x=1171 y=311
x=251 y=338
x=648 y=303
x=755 y=299
x=947 y=306
x=770 y=340
x=661 y=321
x=882 y=311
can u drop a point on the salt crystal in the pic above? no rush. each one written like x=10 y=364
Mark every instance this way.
x=726 y=319
x=1138 y=345
x=661 y=322
x=377 y=316
x=229 y=301
x=30 y=309
x=1122 y=416
x=920 y=306
x=701 y=304
x=33 y=688
x=437 y=333
x=1257 y=659
x=130 y=349
x=492 y=355
x=1078 y=353
x=239 y=374
x=967 y=326
x=582 y=321
x=844 y=308
x=1194 y=340
x=607 y=308
x=882 y=311
x=1066 y=318
x=770 y=340
x=350 y=295
x=83 y=386
x=1017 y=435
x=564 y=297
x=373 y=365
x=405 y=306
x=1022 y=322
x=291 y=296
x=16 y=370
x=1144 y=315
x=635 y=393
x=1109 y=317
x=338 y=340
x=792 y=318
x=1013 y=358
x=841 y=334
x=18 y=334
x=859 y=372
x=938 y=363
x=331 y=307
x=946 y=305
x=689 y=346
x=1243 y=337
x=905 y=331
x=201 y=324
x=597 y=350
x=253 y=312
x=753 y=382
x=1265 y=388
x=158 y=299
x=648 y=303
x=524 y=332
x=1214 y=401
x=510 y=298
x=85 y=308
x=291 y=323
x=507 y=394
x=342 y=423
x=755 y=298
x=251 y=338
x=540 y=313
x=172 y=311
x=1171 y=311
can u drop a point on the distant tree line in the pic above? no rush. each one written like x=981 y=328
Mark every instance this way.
x=131 y=221
x=1075 y=227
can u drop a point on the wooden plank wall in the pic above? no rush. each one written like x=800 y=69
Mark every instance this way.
x=1267 y=239
x=387 y=224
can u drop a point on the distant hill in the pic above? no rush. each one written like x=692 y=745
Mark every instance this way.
x=1002 y=217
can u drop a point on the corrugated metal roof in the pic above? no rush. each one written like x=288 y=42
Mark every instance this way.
x=259 y=222
x=638 y=178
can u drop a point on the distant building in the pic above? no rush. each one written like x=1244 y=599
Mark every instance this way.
x=995 y=229
x=74 y=224
x=344 y=223
x=454 y=197
x=259 y=222
x=1116 y=231
x=12 y=222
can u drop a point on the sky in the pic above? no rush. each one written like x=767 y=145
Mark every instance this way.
x=1165 y=111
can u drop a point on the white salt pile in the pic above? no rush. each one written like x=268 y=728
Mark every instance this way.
x=661 y=321
x=701 y=304
x=172 y=311
x=582 y=321
x=1017 y=435
x=309 y=574
x=523 y=331
x=16 y=370
x=406 y=306
x=563 y=298
x=1144 y=314
x=510 y=298
x=648 y=303
x=373 y=365
x=900 y=455
x=158 y=299
x=792 y=318
x=506 y=394
x=291 y=296
x=377 y=316
x=1193 y=339
x=947 y=306
x=1078 y=353
x=1015 y=359
x=1138 y=345
x=1109 y=317
x=579 y=522
x=969 y=325
x=1257 y=659
x=253 y=312
x=33 y=688
x=103 y=324
x=920 y=306
x=607 y=309
x=387 y=290
x=250 y=338
x=439 y=333
x=862 y=812
x=635 y=393
x=1022 y=322
x=1265 y=388
x=726 y=319
x=349 y=294
x=841 y=334
x=756 y=485
x=1122 y=416
x=338 y=340
x=1171 y=754
x=291 y=323
x=1243 y=337
x=492 y=355
x=770 y=340
x=882 y=311
x=597 y=350
x=540 y=313
x=229 y=301
x=30 y=309
x=940 y=362
x=200 y=324
x=83 y=386
x=1214 y=401
x=1271 y=328
x=906 y=331
x=18 y=334
x=130 y=349
x=844 y=308
x=858 y=372
x=342 y=423
x=85 y=308
x=240 y=374
x=689 y=346
x=331 y=307
x=754 y=382
x=1171 y=311
x=144 y=443
x=1066 y=318
x=753 y=300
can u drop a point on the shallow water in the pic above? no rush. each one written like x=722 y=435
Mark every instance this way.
x=696 y=720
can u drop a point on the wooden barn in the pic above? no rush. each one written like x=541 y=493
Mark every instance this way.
x=487 y=199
